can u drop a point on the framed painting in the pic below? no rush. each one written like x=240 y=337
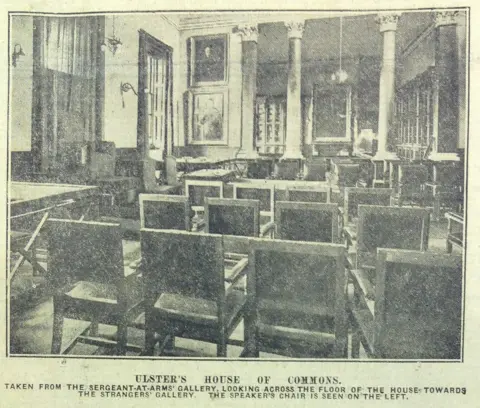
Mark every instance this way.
x=208 y=60
x=208 y=116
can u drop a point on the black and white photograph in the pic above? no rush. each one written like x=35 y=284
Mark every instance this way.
x=252 y=187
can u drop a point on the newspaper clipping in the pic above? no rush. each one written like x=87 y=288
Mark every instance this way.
x=254 y=204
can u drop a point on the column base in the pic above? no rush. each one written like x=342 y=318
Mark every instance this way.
x=435 y=156
x=292 y=156
x=385 y=156
x=247 y=154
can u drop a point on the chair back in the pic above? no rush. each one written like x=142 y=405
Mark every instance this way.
x=367 y=196
x=198 y=190
x=348 y=174
x=390 y=227
x=181 y=262
x=161 y=211
x=418 y=305
x=308 y=195
x=316 y=222
x=316 y=170
x=251 y=191
x=84 y=251
x=298 y=285
x=232 y=216
x=412 y=178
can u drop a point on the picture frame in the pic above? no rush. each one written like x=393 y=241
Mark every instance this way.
x=207 y=117
x=208 y=60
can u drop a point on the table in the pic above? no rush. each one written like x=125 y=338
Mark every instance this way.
x=31 y=204
x=26 y=197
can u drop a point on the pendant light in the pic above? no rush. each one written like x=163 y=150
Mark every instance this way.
x=340 y=76
x=113 y=43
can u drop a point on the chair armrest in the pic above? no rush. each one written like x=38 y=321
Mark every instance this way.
x=136 y=264
x=350 y=234
x=134 y=269
x=454 y=217
x=234 y=274
x=235 y=256
x=266 y=228
x=361 y=280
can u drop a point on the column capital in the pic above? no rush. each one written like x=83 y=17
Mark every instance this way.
x=295 y=28
x=388 y=21
x=249 y=32
x=445 y=17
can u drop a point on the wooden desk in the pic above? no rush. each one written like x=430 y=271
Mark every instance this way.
x=211 y=175
x=31 y=204
x=28 y=197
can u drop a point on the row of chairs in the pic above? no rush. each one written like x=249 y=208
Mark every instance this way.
x=296 y=302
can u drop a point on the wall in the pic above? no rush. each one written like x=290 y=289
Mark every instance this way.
x=121 y=122
x=21 y=85
x=272 y=77
x=417 y=60
x=234 y=86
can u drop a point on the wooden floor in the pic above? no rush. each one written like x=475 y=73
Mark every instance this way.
x=31 y=329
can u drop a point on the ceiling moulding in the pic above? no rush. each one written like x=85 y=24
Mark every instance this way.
x=172 y=20
x=198 y=20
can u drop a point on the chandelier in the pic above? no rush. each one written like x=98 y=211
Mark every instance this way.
x=340 y=76
x=113 y=43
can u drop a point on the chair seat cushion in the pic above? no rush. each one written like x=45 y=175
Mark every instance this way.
x=94 y=291
x=201 y=311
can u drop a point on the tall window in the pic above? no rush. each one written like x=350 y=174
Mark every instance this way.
x=155 y=116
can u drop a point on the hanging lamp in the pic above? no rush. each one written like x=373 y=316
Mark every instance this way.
x=340 y=76
x=113 y=43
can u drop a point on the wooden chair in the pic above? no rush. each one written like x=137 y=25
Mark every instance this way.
x=316 y=170
x=454 y=230
x=417 y=313
x=308 y=195
x=317 y=222
x=296 y=299
x=198 y=190
x=165 y=211
x=185 y=290
x=357 y=195
x=257 y=191
x=348 y=174
x=86 y=270
x=411 y=184
x=390 y=227
x=232 y=217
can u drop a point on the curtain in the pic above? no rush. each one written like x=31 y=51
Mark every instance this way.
x=67 y=72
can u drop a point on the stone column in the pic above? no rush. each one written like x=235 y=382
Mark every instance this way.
x=293 y=142
x=249 y=33
x=462 y=72
x=446 y=69
x=388 y=26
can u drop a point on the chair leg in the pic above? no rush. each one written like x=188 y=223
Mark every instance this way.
x=222 y=344
x=170 y=345
x=355 y=353
x=57 y=327
x=149 y=339
x=93 y=328
x=122 y=335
